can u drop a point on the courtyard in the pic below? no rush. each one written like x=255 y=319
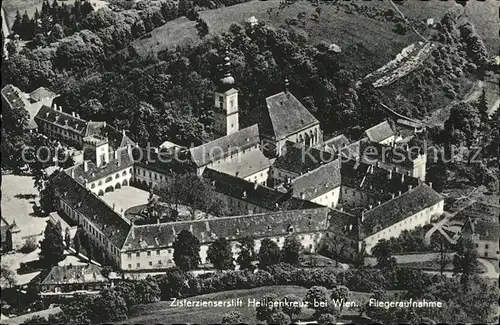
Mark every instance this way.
x=18 y=198
x=125 y=198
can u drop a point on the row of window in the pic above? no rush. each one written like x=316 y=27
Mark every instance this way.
x=150 y=263
x=148 y=253
x=109 y=179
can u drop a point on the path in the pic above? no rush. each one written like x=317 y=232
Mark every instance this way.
x=436 y=226
x=439 y=116
x=5 y=32
x=491 y=272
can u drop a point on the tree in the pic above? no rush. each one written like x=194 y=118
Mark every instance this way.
x=438 y=174
x=465 y=259
x=327 y=319
x=109 y=306
x=266 y=307
x=269 y=253
x=246 y=255
x=220 y=255
x=463 y=123
x=52 y=245
x=291 y=305
x=106 y=270
x=7 y=277
x=186 y=251
x=278 y=318
x=291 y=250
x=173 y=283
x=317 y=299
x=232 y=318
x=442 y=245
x=147 y=291
x=48 y=197
x=67 y=238
x=340 y=294
x=482 y=106
x=35 y=320
x=383 y=253
x=76 y=241
x=17 y=24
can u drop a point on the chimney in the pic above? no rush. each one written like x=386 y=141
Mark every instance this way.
x=255 y=186
x=85 y=165
x=60 y=108
x=78 y=115
x=123 y=132
x=73 y=114
x=371 y=169
x=54 y=106
x=342 y=209
x=244 y=194
x=302 y=195
x=116 y=154
x=402 y=178
x=104 y=123
x=410 y=187
x=72 y=173
x=393 y=195
x=158 y=221
x=370 y=206
x=430 y=184
x=399 y=193
x=121 y=212
x=378 y=202
x=114 y=206
x=390 y=174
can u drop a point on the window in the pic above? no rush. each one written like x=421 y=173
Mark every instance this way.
x=130 y=266
x=150 y=263
x=159 y=262
x=486 y=246
x=93 y=185
x=158 y=252
x=149 y=253
x=138 y=254
x=485 y=254
x=138 y=265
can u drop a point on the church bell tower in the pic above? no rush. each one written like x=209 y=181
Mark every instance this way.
x=226 y=101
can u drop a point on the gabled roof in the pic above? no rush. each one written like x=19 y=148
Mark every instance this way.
x=376 y=181
x=262 y=196
x=286 y=115
x=42 y=93
x=123 y=160
x=63 y=120
x=109 y=222
x=481 y=219
x=399 y=208
x=225 y=146
x=337 y=143
x=380 y=132
x=69 y=274
x=318 y=181
x=298 y=159
x=16 y=99
x=255 y=225
x=247 y=164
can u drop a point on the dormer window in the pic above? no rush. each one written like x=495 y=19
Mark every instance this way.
x=290 y=229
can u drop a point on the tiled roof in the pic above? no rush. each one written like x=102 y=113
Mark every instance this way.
x=226 y=145
x=116 y=138
x=42 y=93
x=372 y=151
x=16 y=99
x=124 y=160
x=481 y=219
x=380 y=132
x=256 y=225
x=287 y=116
x=258 y=195
x=68 y=274
x=163 y=161
x=63 y=120
x=343 y=222
x=109 y=222
x=336 y=143
x=299 y=159
x=245 y=165
x=374 y=180
x=399 y=208
x=318 y=181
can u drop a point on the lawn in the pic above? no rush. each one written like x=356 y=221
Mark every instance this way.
x=162 y=312
x=434 y=265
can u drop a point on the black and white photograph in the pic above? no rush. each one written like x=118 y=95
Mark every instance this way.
x=266 y=162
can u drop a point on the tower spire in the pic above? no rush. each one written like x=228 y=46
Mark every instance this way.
x=227 y=79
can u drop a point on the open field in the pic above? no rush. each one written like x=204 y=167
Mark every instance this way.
x=162 y=312
x=18 y=197
x=11 y=6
